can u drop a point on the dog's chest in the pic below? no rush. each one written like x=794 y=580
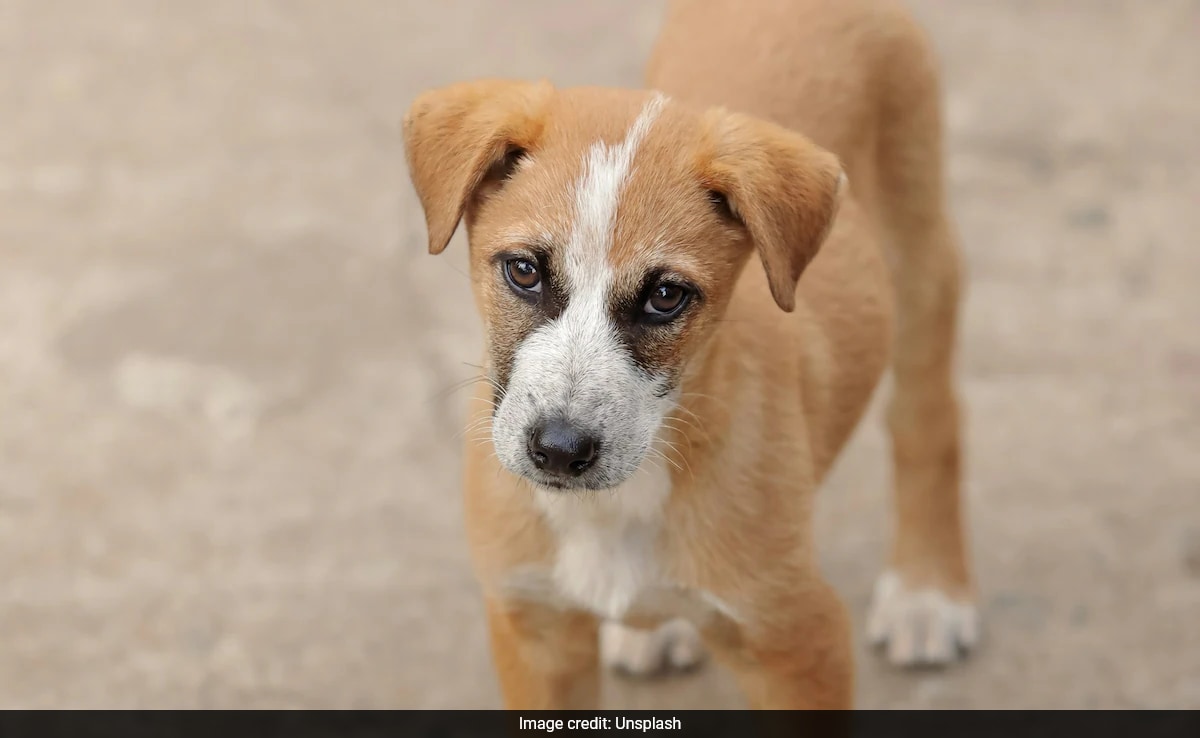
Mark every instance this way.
x=607 y=558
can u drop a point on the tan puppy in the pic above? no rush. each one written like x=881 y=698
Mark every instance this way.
x=658 y=413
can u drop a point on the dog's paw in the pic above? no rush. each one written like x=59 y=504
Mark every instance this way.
x=673 y=646
x=920 y=627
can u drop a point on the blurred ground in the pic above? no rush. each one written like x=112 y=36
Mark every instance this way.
x=228 y=461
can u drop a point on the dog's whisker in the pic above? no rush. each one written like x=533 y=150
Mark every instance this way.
x=703 y=396
x=682 y=457
x=463 y=384
x=668 y=459
x=456 y=387
x=682 y=433
x=473 y=430
x=479 y=422
x=683 y=425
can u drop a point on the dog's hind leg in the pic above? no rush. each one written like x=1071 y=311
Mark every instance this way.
x=922 y=607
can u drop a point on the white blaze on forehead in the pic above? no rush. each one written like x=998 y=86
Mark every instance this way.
x=583 y=338
x=597 y=192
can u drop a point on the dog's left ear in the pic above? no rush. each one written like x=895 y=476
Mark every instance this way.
x=456 y=137
x=783 y=187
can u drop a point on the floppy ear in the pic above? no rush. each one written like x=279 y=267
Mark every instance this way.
x=783 y=187
x=456 y=135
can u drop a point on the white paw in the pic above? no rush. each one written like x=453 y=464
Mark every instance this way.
x=672 y=646
x=922 y=627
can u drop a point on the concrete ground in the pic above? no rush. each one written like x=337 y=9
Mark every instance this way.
x=228 y=454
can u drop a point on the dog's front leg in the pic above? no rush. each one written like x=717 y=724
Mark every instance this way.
x=546 y=658
x=799 y=656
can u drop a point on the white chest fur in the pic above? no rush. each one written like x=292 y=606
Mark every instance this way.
x=606 y=557
x=606 y=554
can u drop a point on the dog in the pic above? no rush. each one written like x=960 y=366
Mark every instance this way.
x=642 y=460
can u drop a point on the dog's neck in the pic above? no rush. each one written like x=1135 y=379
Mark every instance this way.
x=607 y=541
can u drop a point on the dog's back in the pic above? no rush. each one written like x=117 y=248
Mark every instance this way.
x=849 y=74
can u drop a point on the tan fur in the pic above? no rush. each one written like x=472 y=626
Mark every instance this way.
x=768 y=397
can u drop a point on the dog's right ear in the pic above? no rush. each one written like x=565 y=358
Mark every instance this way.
x=456 y=135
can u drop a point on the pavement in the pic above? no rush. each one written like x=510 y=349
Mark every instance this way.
x=228 y=433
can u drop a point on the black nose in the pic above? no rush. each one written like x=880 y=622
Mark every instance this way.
x=560 y=448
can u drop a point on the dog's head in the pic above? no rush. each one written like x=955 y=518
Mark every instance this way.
x=607 y=230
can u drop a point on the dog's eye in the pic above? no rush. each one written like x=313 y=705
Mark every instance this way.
x=523 y=274
x=665 y=301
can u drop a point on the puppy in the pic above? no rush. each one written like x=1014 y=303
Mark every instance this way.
x=659 y=412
